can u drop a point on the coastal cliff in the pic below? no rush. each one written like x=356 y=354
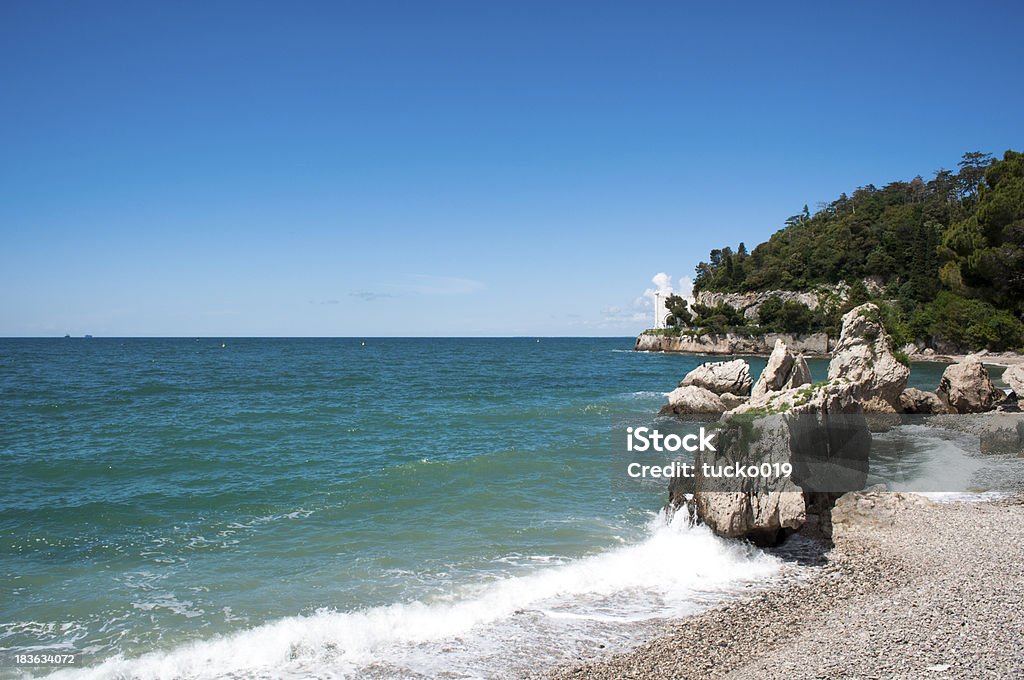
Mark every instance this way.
x=749 y=304
x=812 y=344
x=944 y=272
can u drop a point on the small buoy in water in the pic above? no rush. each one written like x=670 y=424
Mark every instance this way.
x=362 y=344
x=222 y=345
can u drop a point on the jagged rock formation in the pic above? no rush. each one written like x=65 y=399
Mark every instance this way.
x=783 y=371
x=967 y=388
x=752 y=509
x=818 y=429
x=821 y=430
x=721 y=377
x=863 y=358
x=829 y=456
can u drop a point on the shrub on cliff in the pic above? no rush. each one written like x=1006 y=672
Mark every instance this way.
x=790 y=316
x=721 y=318
x=961 y=322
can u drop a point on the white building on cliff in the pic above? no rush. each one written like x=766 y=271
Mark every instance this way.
x=661 y=310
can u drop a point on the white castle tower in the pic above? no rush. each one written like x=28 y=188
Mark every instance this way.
x=661 y=312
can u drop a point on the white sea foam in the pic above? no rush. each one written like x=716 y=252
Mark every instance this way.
x=945 y=467
x=942 y=465
x=647 y=394
x=965 y=496
x=549 y=612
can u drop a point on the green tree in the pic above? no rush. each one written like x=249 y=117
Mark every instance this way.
x=972 y=171
x=679 y=312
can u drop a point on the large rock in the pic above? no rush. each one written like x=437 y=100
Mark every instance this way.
x=966 y=388
x=828 y=454
x=760 y=510
x=915 y=402
x=783 y=371
x=1014 y=377
x=721 y=377
x=864 y=359
x=763 y=518
x=692 y=399
x=820 y=430
x=873 y=508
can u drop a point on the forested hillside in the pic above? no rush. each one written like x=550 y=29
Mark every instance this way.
x=948 y=253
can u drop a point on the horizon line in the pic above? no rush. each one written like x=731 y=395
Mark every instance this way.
x=304 y=337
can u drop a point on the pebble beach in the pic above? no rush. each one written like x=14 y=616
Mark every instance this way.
x=930 y=590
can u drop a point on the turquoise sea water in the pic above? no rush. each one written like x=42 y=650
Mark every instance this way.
x=273 y=507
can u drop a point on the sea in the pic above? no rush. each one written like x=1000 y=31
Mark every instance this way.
x=341 y=508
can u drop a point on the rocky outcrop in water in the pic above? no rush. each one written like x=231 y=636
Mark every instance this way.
x=692 y=399
x=828 y=454
x=820 y=430
x=967 y=388
x=721 y=377
x=783 y=371
x=863 y=358
x=750 y=509
x=863 y=375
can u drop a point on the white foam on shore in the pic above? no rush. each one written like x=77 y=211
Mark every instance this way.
x=672 y=572
x=965 y=496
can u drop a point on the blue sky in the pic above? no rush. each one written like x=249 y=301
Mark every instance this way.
x=451 y=168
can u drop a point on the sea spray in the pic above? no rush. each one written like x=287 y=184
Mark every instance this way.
x=676 y=570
